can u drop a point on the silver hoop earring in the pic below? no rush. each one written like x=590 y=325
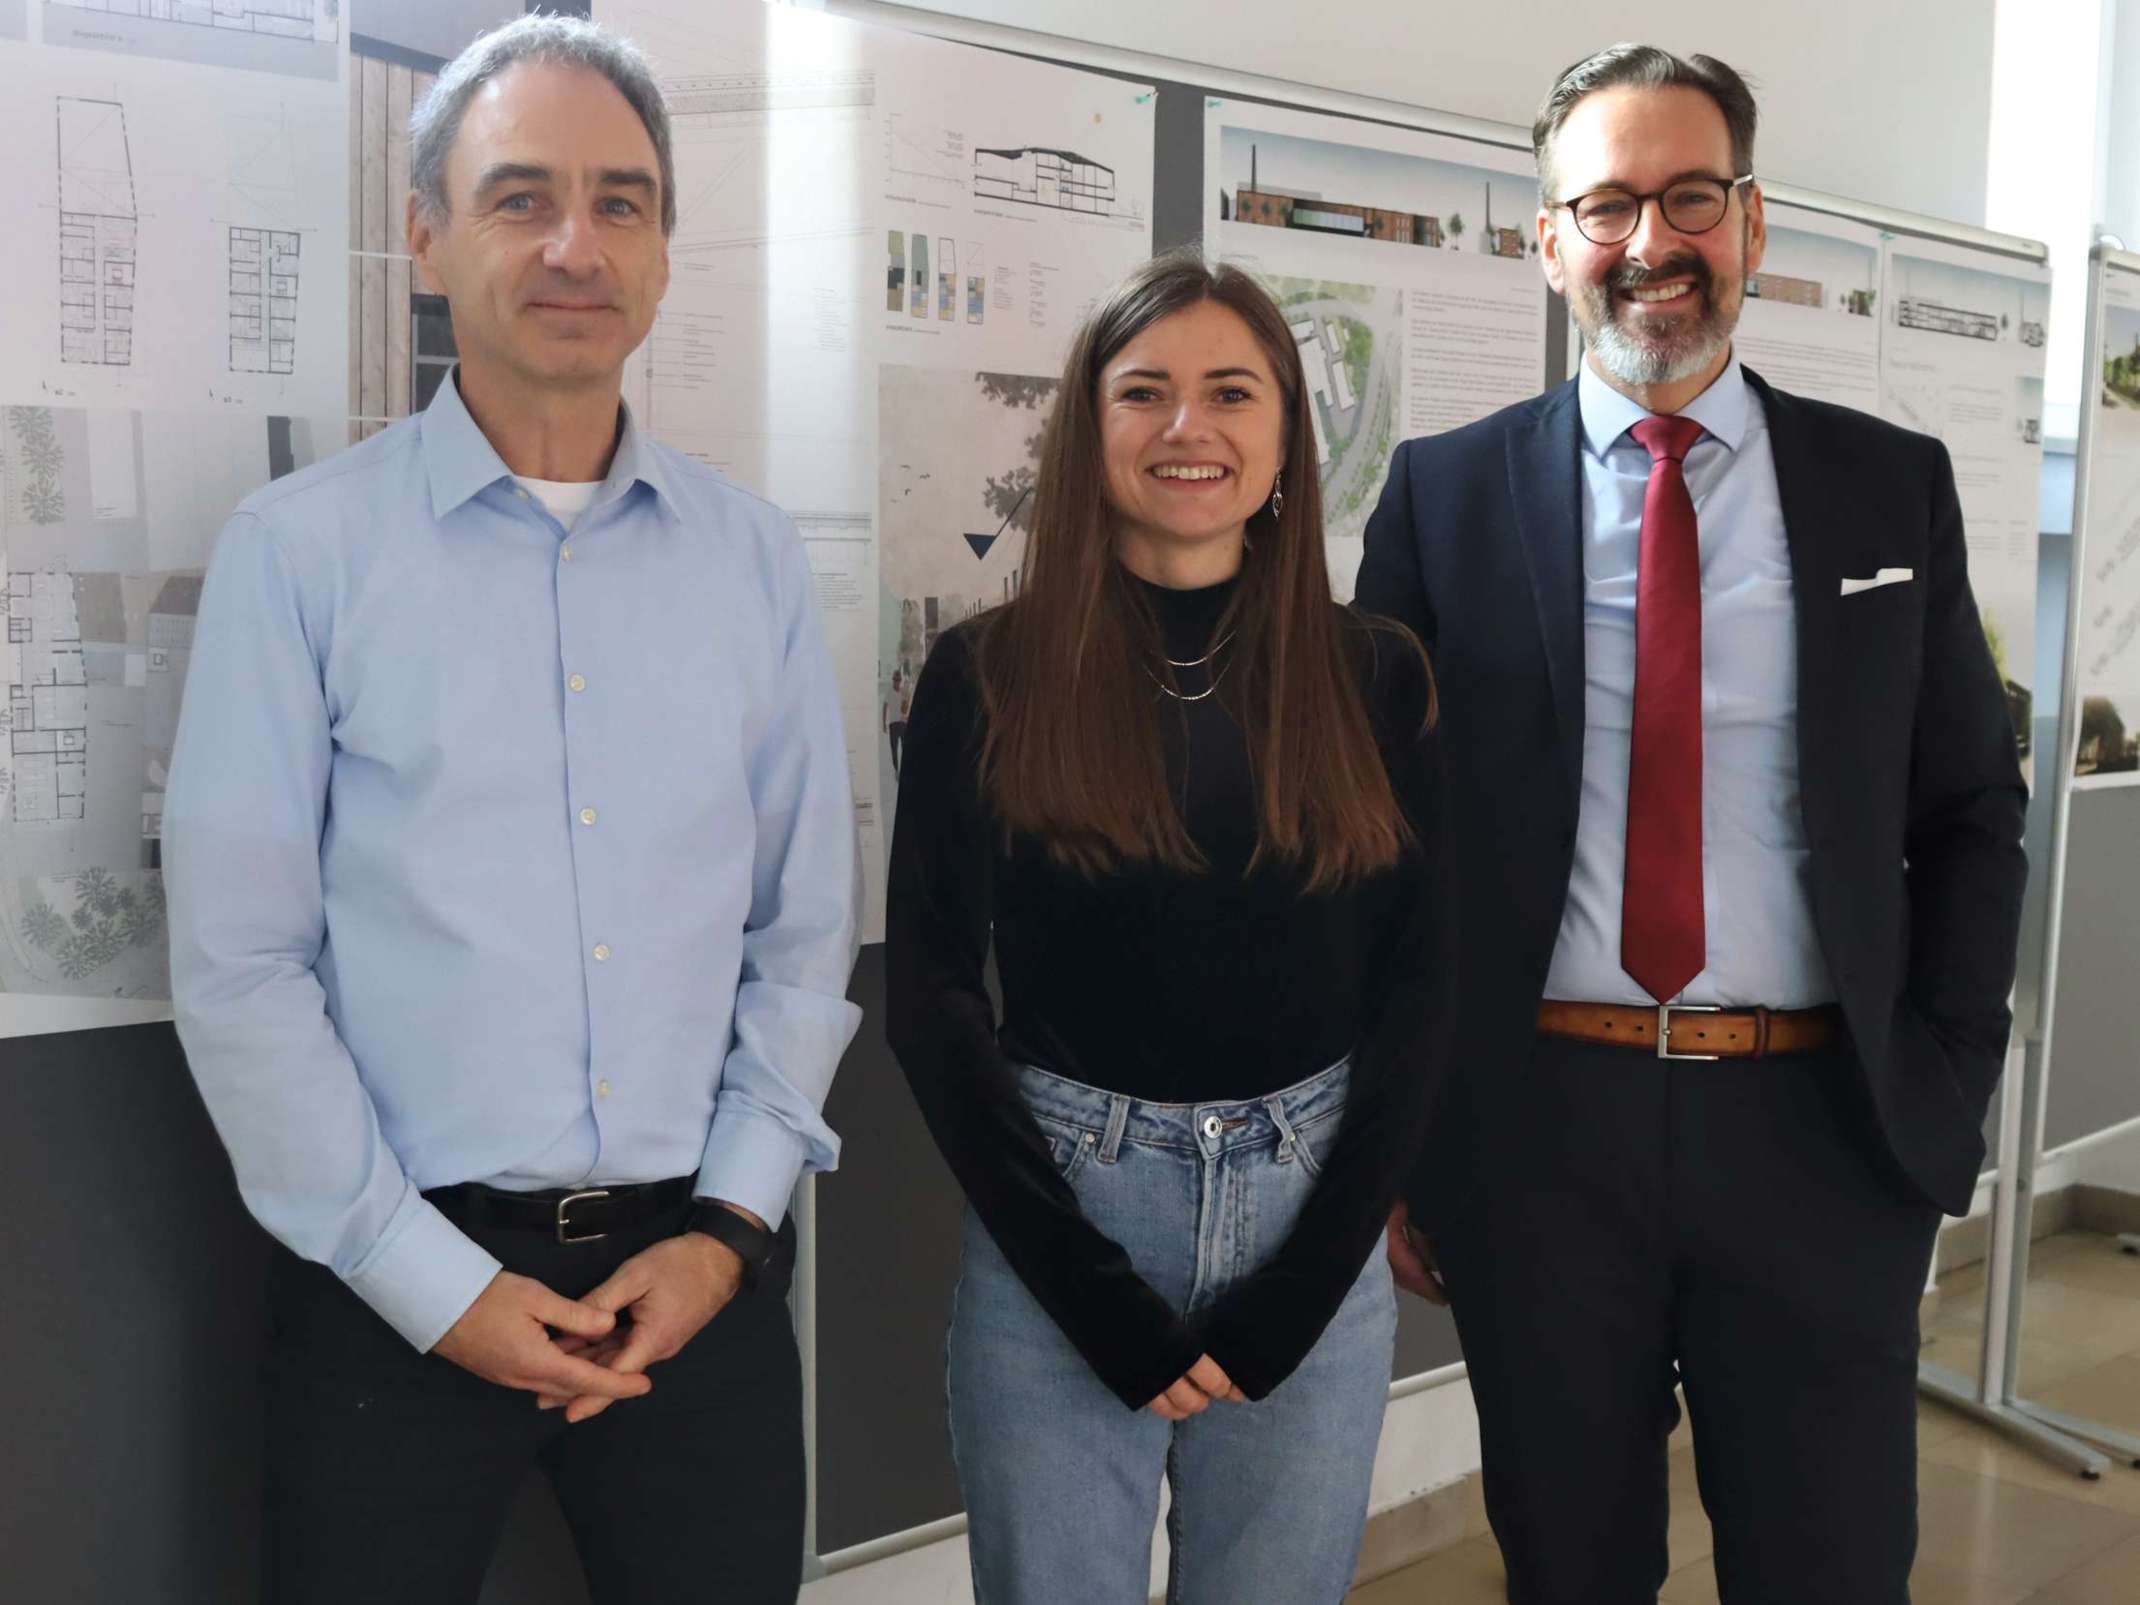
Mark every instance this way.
x=1278 y=494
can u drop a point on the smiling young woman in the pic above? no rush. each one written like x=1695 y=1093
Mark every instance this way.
x=1195 y=806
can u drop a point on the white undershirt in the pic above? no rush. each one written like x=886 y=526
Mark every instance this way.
x=565 y=499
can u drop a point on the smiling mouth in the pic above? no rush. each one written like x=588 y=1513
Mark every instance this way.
x=1190 y=473
x=1658 y=294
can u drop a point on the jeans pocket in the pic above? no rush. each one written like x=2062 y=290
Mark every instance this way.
x=1313 y=1138
x=1069 y=1146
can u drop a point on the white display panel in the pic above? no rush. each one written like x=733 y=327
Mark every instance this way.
x=178 y=336
x=2106 y=547
x=1962 y=358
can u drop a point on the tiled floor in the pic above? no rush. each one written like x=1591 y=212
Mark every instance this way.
x=1997 y=1525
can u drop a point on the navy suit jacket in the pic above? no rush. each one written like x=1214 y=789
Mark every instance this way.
x=1909 y=777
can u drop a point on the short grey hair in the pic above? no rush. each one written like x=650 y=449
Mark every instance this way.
x=1626 y=66
x=549 y=41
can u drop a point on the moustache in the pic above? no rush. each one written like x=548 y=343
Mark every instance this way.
x=1632 y=276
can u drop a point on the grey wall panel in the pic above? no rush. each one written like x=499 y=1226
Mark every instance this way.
x=135 y=1288
x=2094 y=1076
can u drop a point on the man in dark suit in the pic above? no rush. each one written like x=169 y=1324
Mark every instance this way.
x=1740 y=813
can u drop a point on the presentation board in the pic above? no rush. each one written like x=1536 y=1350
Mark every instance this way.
x=2089 y=1083
x=2106 y=534
x=889 y=249
x=177 y=336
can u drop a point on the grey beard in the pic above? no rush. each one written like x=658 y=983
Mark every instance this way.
x=1635 y=362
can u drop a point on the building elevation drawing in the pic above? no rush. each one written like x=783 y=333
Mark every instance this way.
x=97 y=225
x=263 y=300
x=285 y=19
x=1038 y=176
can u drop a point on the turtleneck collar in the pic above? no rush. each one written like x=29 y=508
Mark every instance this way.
x=1186 y=618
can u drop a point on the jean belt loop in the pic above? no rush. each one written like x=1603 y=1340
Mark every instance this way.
x=1287 y=1138
x=1117 y=1118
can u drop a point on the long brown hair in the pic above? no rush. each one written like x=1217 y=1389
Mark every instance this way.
x=1073 y=751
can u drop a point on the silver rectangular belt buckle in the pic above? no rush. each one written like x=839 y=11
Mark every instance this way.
x=1665 y=1011
x=565 y=1234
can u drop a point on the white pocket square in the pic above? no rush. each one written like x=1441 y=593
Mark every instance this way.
x=1886 y=576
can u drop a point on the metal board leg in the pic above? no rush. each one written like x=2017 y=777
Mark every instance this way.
x=1954 y=1390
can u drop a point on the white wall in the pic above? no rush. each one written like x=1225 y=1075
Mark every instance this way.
x=1882 y=100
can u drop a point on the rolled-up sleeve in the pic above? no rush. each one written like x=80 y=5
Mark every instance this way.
x=242 y=822
x=792 y=1017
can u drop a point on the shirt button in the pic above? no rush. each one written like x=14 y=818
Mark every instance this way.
x=1213 y=1125
x=586 y=816
x=521 y=492
x=578 y=682
x=601 y=952
x=601 y=1088
x=565 y=552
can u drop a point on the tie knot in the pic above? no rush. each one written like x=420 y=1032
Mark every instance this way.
x=1669 y=436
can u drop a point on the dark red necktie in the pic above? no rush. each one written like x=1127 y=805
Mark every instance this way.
x=1663 y=941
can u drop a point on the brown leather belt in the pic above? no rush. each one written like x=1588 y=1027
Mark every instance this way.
x=1694 y=1033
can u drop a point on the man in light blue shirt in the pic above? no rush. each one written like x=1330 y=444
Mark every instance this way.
x=512 y=876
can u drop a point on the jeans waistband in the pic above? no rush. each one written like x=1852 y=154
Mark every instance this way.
x=1211 y=1127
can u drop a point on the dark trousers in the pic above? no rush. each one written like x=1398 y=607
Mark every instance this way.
x=390 y=1473
x=1734 y=1227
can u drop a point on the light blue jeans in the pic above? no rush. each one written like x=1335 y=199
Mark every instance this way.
x=1061 y=1480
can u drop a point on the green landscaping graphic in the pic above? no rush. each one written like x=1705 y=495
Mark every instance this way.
x=1350 y=337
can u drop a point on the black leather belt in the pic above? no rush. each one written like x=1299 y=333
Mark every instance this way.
x=576 y=1215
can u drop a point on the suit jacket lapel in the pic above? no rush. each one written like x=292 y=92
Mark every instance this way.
x=1815 y=526
x=1545 y=487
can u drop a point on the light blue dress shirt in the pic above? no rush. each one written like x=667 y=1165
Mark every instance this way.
x=1756 y=900
x=499 y=855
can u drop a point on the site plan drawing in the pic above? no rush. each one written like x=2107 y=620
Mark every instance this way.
x=301 y=38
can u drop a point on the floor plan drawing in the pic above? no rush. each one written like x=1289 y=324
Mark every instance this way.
x=263 y=300
x=98 y=221
x=48 y=699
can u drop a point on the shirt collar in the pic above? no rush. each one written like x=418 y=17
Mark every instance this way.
x=1608 y=415
x=461 y=462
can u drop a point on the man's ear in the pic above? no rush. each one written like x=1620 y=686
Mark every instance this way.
x=1549 y=250
x=1756 y=229
x=421 y=235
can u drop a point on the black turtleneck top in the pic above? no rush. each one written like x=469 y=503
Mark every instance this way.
x=1172 y=987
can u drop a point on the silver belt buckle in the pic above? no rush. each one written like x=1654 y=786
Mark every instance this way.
x=1665 y=1011
x=564 y=1226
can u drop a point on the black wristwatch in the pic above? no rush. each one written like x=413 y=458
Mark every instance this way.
x=753 y=1244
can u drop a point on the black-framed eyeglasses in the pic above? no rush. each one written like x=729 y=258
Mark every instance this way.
x=1690 y=206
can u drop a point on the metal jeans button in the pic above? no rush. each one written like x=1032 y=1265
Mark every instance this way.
x=1213 y=1125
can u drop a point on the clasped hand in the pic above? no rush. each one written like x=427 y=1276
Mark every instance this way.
x=584 y=1354
x=1193 y=1391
